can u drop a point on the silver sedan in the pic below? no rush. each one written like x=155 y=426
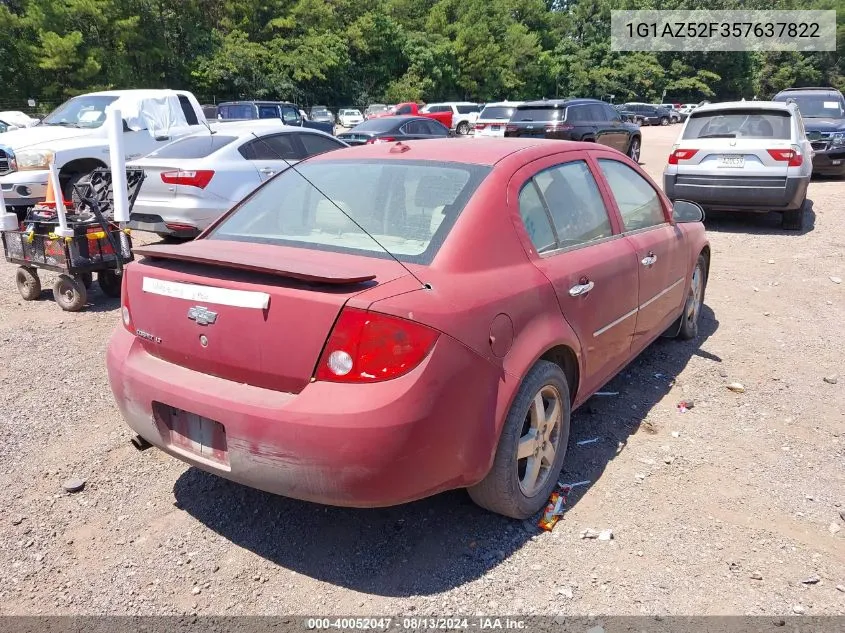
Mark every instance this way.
x=191 y=182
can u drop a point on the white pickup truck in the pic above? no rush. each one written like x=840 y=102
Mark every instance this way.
x=74 y=136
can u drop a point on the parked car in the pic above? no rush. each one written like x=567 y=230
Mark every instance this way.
x=210 y=111
x=823 y=116
x=493 y=118
x=686 y=109
x=375 y=110
x=284 y=344
x=675 y=115
x=193 y=181
x=576 y=120
x=321 y=114
x=744 y=156
x=652 y=114
x=463 y=114
x=288 y=113
x=349 y=117
x=74 y=137
x=394 y=128
x=15 y=119
x=628 y=115
x=413 y=109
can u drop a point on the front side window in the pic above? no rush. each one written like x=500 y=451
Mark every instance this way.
x=638 y=202
x=408 y=206
x=575 y=203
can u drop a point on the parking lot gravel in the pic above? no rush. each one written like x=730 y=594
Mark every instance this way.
x=735 y=506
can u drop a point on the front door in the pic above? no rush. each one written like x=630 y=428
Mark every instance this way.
x=580 y=250
x=659 y=246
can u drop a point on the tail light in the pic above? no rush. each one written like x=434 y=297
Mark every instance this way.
x=479 y=126
x=179 y=227
x=556 y=127
x=681 y=154
x=383 y=139
x=368 y=347
x=191 y=178
x=791 y=156
x=125 y=313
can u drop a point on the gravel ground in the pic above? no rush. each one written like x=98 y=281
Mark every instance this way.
x=725 y=509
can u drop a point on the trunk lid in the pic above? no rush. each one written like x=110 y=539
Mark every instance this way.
x=257 y=314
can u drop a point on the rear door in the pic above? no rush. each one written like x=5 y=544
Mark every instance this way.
x=660 y=248
x=579 y=249
x=271 y=153
x=613 y=133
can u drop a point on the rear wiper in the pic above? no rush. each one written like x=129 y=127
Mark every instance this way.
x=724 y=135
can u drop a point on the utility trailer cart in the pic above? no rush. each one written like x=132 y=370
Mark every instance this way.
x=98 y=245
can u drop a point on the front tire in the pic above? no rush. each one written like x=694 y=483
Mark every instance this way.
x=532 y=446
x=695 y=300
x=70 y=293
x=664 y=120
x=109 y=282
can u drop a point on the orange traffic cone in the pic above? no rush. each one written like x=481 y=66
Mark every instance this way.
x=50 y=199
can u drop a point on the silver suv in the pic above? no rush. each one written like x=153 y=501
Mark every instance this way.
x=743 y=156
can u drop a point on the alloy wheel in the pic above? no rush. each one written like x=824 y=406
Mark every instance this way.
x=539 y=441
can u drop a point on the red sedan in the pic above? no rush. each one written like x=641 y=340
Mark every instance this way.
x=390 y=321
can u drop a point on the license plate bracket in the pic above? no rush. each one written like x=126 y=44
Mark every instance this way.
x=732 y=160
x=192 y=434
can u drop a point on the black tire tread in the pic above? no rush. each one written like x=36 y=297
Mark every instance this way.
x=688 y=332
x=80 y=297
x=28 y=283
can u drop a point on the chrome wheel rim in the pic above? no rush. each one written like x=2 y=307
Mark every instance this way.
x=635 y=151
x=694 y=300
x=539 y=440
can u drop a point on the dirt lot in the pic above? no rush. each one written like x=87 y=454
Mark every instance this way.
x=725 y=509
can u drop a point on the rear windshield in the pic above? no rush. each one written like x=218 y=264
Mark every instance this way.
x=537 y=114
x=818 y=106
x=497 y=113
x=751 y=123
x=244 y=111
x=194 y=146
x=408 y=206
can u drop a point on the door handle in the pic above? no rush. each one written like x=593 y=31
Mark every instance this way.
x=267 y=171
x=581 y=289
x=649 y=259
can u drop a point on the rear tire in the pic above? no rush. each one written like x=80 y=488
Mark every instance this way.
x=695 y=300
x=794 y=220
x=109 y=282
x=537 y=427
x=29 y=285
x=634 y=150
x=70 y=293
x=462 y=129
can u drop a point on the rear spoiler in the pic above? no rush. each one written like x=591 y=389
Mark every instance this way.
x=258 y=258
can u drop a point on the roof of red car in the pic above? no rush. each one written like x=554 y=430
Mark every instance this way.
x=482 y=151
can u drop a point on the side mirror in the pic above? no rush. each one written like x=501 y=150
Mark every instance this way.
x=684 y=211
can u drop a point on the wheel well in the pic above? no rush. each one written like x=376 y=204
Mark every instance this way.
x=80 y=166
x=706 y=252
x=566 y=359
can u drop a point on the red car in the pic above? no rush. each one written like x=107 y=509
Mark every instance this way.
x=391 y=321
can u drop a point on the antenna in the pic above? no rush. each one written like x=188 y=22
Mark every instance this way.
x=337 y=206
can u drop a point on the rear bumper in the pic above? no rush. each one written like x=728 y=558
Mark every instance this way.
x=351 y=445
x=830 y=162
x=739 y=194
x=155 y=224
x=189 y=215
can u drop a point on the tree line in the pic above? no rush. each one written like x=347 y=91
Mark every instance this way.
x=345 y=52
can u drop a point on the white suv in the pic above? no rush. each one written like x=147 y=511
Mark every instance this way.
x=464 y=114
x=743 y=156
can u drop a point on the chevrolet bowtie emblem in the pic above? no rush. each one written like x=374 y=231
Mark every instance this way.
x=203 y=316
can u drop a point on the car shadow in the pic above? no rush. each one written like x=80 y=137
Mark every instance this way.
x=757 y=223
x=436 y=544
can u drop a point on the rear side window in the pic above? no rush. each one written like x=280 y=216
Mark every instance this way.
x=316 y=144
x=575 y=204
x=194 y=146
x=188 y=110
x=734 y=123
x=466 y=109
x=268 y=112
x=436 y=128
x=535 y=218
x=638 y=202
x=408 y=206
x=576 y=114
x=278 y=147
x=415 y=127
x=537 y=114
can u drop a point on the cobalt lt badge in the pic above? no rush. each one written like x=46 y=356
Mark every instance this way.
x=203 y=316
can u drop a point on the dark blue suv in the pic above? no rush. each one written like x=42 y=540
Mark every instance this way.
x=823 y=114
